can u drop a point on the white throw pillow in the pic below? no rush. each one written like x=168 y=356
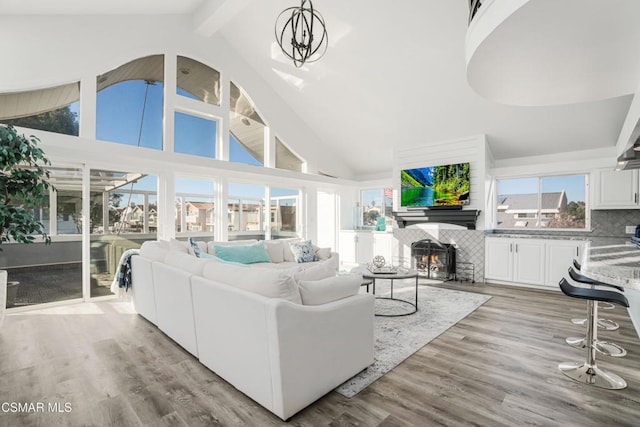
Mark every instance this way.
x=275 y=249
x=186 y=262
x=318 y=292
x=153 y=250
x=269 y=283
x=177 y=245
x=322 y=253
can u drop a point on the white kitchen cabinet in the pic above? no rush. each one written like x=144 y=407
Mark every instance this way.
x=616 y=189
x=541 y=262
x=519 y=260
x=499 y=259
x=383 y=245
x=356 y=247
x=528 y=261
x=560 y=255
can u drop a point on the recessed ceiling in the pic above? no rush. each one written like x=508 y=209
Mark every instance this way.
x=551 y=53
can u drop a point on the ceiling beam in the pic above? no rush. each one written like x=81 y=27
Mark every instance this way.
x=212 y=15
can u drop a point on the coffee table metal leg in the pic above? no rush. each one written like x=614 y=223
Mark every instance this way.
x=416 y=293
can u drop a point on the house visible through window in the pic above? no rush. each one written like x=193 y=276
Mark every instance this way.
x=376 y=208
x=542 y=202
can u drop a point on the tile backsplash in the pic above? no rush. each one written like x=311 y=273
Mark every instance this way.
x=611 y=223
x=470 y=243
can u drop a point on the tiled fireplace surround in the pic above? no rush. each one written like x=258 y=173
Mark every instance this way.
x=470 y=243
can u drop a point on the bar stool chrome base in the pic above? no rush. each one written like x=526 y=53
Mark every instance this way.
x=603 y=347
x=604 y=324
x=606 y=306
x=585 y=373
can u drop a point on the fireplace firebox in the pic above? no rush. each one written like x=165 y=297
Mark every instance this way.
x=433 y=259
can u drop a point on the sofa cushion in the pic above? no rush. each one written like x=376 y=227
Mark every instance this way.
x=177 y=245
x=316 y=292
x=268 y=283
x=154 y=250
x=275 y=249
x=211 y=245
x=245 y=254
x=288 y=255
x=303 y=251
x=186 y=262
x=322 y=253
x=315 y=272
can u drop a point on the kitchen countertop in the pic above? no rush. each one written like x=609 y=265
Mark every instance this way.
x=537 y=236
x=616 y=261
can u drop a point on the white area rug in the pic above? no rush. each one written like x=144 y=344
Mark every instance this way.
x=397 y=338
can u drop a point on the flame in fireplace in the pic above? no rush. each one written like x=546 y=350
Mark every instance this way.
x=431 y=259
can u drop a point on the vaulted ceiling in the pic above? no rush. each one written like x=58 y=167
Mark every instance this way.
x=394 y=75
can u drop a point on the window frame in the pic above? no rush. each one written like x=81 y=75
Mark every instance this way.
x=388 y=219
x=540 y=214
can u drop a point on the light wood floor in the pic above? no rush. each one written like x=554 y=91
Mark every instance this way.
x=496 y=367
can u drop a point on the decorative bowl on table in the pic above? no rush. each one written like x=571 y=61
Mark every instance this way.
x=377 y=266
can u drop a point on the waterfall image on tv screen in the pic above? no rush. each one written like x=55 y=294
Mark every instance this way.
x=446 y=185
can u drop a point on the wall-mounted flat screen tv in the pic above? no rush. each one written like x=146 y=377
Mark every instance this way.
x=446 y=185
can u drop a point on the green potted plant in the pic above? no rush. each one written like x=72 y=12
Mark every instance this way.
x=23 y=186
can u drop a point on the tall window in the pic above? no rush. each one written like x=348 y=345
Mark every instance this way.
x=49 y=273
x=123 y=213
x=69 y=211
x=283 y=212
x=377 y=206
x=52 y=109
x=246 y=144
x=246 y=212
x=129 y=103
x=327 y=219
x=195 y=209
x=542 y=202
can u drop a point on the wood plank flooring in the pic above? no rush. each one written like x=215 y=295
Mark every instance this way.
x=496 y=367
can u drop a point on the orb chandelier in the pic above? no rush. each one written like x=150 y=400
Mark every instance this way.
x=301 y=33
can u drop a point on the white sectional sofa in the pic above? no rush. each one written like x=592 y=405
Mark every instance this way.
x=252 y=325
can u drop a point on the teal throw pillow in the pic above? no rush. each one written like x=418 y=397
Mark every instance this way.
x=303 y=251
x=205 y=255
x=244 y=254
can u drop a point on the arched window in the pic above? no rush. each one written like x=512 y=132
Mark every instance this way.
x=246 y=142
x=286 y=159
x=197 y=81
x=53 y=109
x=129 y=103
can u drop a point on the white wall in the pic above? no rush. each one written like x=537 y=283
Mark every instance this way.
x=472 y=149
x=46 y=51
